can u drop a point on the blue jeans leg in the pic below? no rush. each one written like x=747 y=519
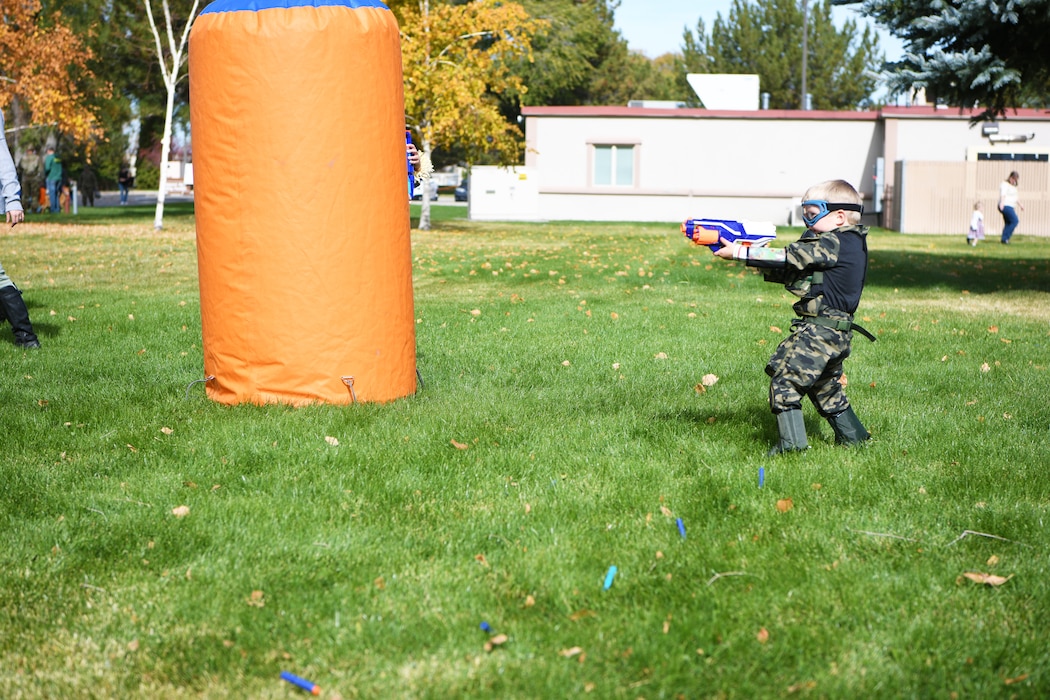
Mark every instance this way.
x=1010 y=222
x=52 y=194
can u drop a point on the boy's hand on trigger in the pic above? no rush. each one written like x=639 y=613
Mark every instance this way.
x=413 y=156
x=727 y=250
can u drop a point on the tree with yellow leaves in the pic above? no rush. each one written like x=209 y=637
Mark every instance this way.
x=456 y=61
x=43 y=68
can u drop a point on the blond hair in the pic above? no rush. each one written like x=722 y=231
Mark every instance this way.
x=839 y=191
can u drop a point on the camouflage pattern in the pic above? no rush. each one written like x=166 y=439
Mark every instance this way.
x=809 y=363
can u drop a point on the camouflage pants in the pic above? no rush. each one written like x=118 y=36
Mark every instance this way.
x=809 y=363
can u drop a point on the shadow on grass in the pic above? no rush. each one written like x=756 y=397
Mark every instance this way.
x=103 y=216
x=971 y=270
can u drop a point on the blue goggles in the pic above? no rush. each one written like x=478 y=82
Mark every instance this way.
x=824 y=208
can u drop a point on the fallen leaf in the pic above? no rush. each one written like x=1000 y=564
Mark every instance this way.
x=580 y=614
x=255 y=599
x=166 y=430
x=985 y=367
x=133 y=645
x=993 y=329
x=528 y=509
x=132 y=448
x=458 y=445
x=180 y=511
x=709 y=379
x=803 y=685
x=614 y=315
x=475 y=312
x=660 y=356
x=762 y=636
x=775 y=329
x=666 y=512
x=785 y=504
x=380 y=583
x=667 y=626
x=700 y=388
x=571 y=652
x=990 y=579
x=334 y=442
x=480 y=558
x=529 y=601
x=566 y=363
x=495 y=641
x=1016 y=679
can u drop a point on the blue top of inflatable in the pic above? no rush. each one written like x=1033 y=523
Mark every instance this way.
x=256 y=5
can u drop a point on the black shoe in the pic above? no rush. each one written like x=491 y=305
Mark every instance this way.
x=792 y=432
x=27 y=340
x=848 y=428
x=18 y=316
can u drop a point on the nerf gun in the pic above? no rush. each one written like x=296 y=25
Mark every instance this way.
x=411 y=171
x=709 y=232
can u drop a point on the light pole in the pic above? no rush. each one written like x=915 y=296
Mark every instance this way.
x=805 y=50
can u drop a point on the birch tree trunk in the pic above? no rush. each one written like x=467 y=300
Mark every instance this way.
x=171 y=74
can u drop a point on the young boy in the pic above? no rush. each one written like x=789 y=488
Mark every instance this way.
x=826 y=268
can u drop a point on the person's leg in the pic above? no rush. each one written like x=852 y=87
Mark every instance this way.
x=793 y=369
x=829 y=396
x=14 y=309
x=52 y=195
x=1010 y=222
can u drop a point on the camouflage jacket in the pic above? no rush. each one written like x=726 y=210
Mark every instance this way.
x=825 y=270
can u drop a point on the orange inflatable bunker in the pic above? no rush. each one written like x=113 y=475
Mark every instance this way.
x=297 y=111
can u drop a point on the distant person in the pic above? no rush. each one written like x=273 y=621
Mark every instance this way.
x=53 y=177
x=124 y=181
x=65 y=198
x=12 y=308
x=976 y=232
x=1008 y=205
x=32 y=178
x=88 y=185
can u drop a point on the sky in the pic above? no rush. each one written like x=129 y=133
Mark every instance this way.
x=655 y=27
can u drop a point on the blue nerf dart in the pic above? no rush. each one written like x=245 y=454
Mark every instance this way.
x=301 y=682
x=485 y=627
x=681 y=527
x=609 y=578
x=761 y=476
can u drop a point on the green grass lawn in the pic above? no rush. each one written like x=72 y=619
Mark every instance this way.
x=567 y=361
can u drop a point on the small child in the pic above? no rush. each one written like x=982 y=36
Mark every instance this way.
x=976 y=232
x=826 y=268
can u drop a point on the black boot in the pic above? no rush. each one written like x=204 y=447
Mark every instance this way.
x=792 y=433
x=848 y=428
x=18 y=315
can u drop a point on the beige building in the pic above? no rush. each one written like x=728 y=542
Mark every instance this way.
x=919 y=169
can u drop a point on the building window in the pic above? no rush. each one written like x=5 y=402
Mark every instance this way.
x=1037 y=157
x=614 y=165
